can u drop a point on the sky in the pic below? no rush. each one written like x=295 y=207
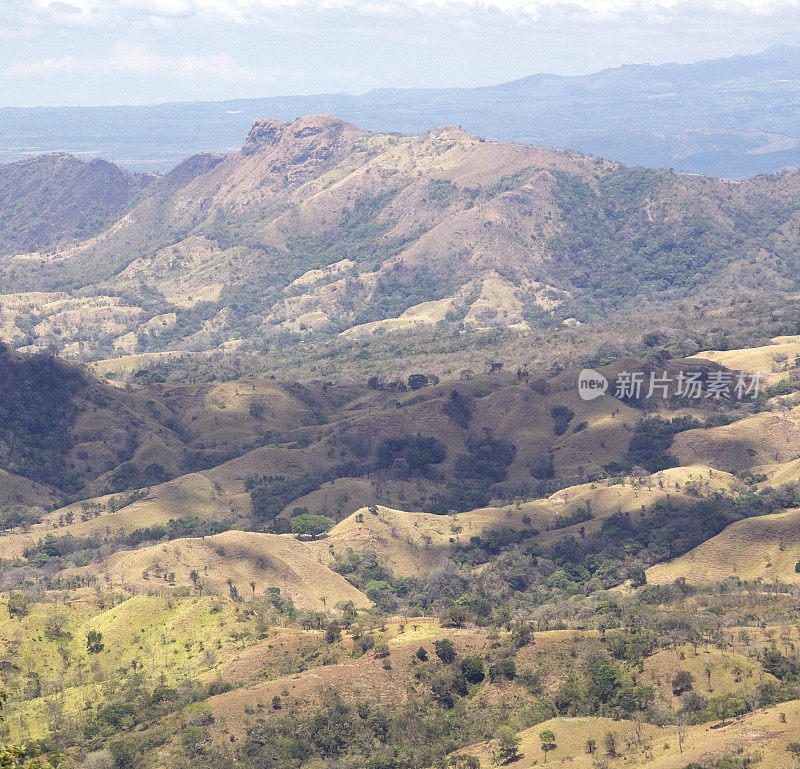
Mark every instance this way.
x=95 y=52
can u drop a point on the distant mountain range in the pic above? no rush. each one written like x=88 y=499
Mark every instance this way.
x=733 y=118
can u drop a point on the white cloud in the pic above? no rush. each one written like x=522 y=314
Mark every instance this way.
x=244 y=11
x=61 y=65
x=134 y=59
x=222 y=66
x=168 y=8
x=82 y=51
x=60 y=7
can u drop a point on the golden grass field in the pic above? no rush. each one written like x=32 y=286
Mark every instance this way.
x=655 y=747
x=364 y=677
x=773 y=361
x=251 y=561
x=114 y=368
x=765 y=548
x=766 y=438
x=189 y=495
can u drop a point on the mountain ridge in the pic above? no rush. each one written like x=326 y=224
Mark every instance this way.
x=320 y=227
x=59 y=197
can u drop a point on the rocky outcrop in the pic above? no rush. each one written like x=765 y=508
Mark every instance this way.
x=314 y=137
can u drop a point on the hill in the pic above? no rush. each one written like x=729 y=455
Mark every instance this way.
x=764 y=548
x=233 y=558
x=774 y=361
x=484 y=558
x=51 y=200
x=64 y=429
x=403 y=571
x=410 y=542
x=317 y=228
x=761 y=734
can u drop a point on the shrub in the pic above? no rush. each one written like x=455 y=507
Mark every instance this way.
x=472 y=669
x=503 y=670
x=445 y=650
x=562 y=416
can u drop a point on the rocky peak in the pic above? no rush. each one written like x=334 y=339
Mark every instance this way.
x=452 y=132
x=262 y=133
x=317 y=135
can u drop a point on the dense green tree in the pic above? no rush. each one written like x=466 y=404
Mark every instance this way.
x=507 y=745
x=445 y=650
x=94 y=642
x=18 y=605
x=311 y=525
x=472 y=668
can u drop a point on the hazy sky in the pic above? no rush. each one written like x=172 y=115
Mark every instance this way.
x=142 y=51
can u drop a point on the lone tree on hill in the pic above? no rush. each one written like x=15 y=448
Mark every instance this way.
x=548 y=738
x=610 y=742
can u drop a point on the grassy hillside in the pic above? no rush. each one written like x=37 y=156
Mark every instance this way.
x=216 y=679
x=764 y=548
x=325 y=576
x=67 y=430
x=762 y=737
x=244 y=562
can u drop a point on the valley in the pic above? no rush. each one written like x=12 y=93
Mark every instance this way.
x=267 y=557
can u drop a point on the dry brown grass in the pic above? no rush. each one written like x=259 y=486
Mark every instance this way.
x=188 y=495
x=15 y=490
x=766 y=547
x=654 y=747
x=114 y=368
x=268 y=560
x=660 y=669
x=414 y=541
x=762 y=439
x=773 y=361
x=365 y=678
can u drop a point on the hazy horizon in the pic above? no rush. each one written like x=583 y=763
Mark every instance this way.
x=134 y=52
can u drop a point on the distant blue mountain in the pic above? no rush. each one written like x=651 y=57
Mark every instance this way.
x=733 y=117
